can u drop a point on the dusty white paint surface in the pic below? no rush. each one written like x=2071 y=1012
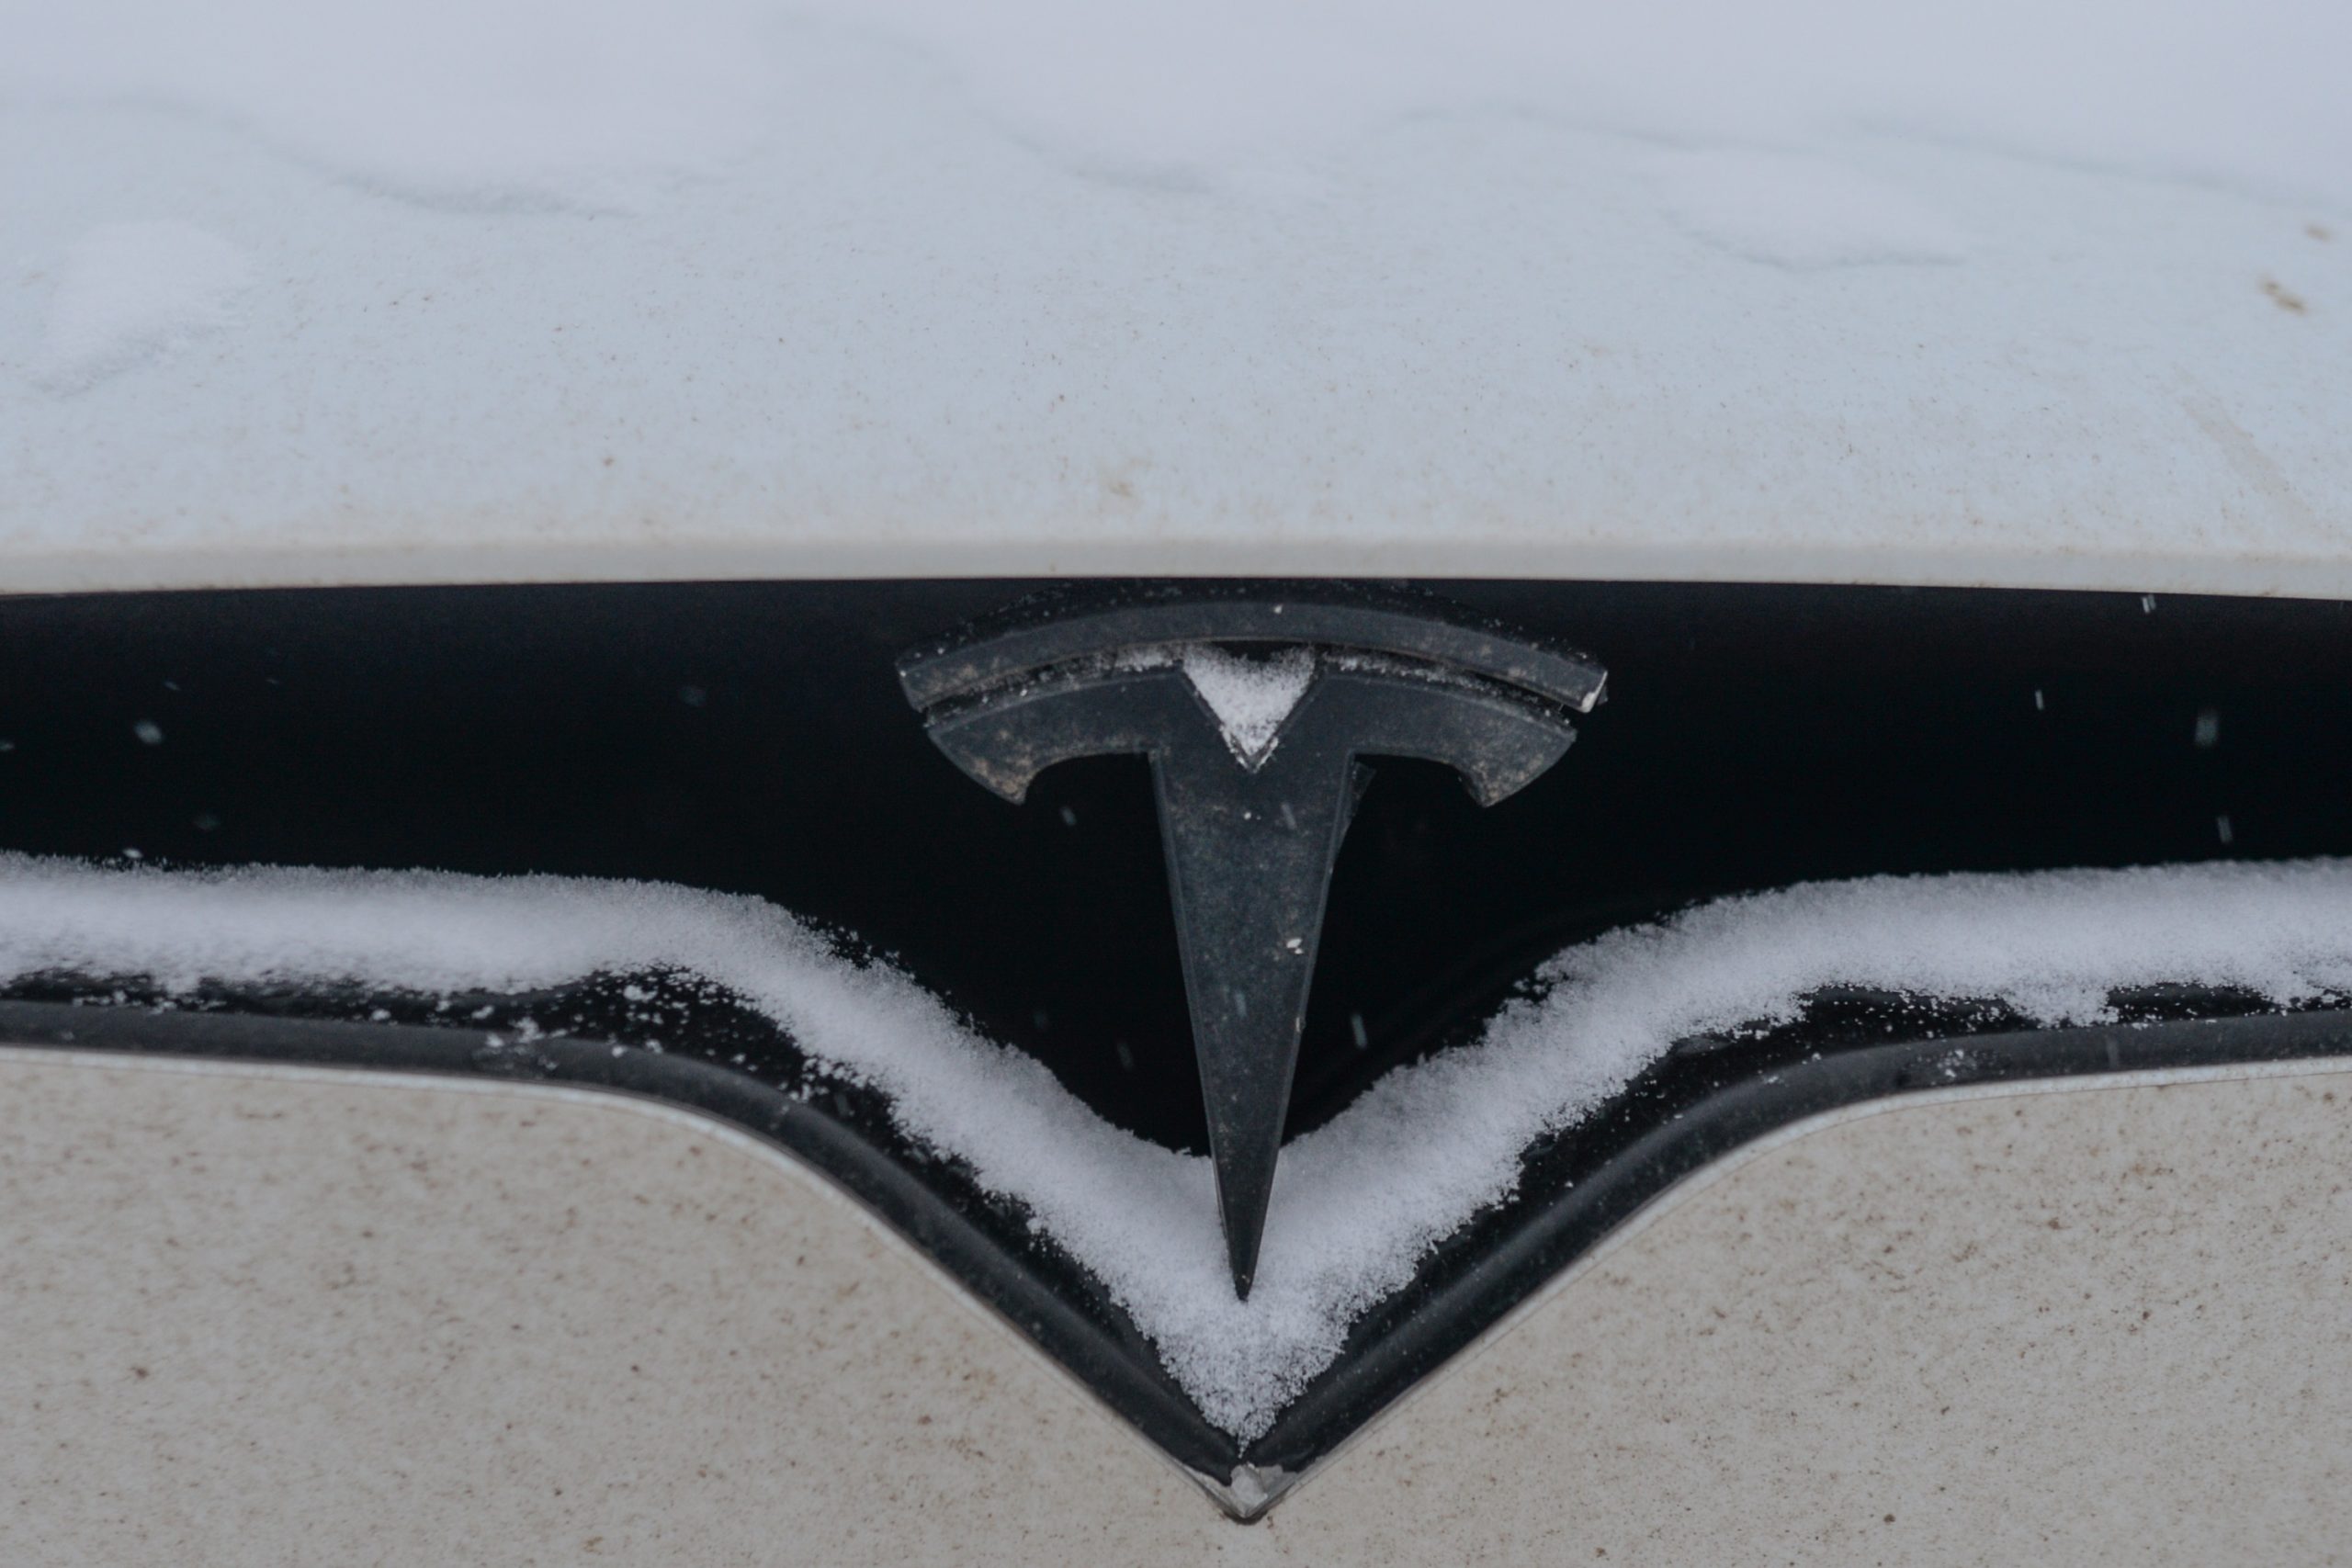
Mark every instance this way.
x=257 y=1315
x=254 y=1315
x=2097 y=1322
x=2053 y=294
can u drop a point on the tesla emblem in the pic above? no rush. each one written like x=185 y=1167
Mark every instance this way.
x=1256 y=710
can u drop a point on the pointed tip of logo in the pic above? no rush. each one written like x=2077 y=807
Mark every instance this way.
x=1245 y=1183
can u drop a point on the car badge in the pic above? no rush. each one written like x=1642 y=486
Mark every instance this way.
x=1256 y=709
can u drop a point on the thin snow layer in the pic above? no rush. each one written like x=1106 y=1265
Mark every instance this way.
x=1249 y=698
x=554 y=289
x=130 y=291
x=1802 y=211
x=1357 y=1203
x=474 y=97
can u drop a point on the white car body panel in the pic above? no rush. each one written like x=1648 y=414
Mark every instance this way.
x=510 y=1323
x=461 y=294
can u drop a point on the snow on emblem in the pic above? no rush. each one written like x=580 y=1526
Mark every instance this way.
x=1255 y=707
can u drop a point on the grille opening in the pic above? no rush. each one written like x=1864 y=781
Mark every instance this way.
x=752 y=738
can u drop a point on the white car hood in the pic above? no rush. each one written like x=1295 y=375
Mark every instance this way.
x=2045 y=295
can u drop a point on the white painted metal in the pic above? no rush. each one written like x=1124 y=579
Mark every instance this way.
x=430 y=292
x=282 y=1314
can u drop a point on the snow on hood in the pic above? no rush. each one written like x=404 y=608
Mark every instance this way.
x=1358 y=1203
x=2053 y=294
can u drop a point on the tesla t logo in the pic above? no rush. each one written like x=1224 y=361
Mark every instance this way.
x=1256 y=711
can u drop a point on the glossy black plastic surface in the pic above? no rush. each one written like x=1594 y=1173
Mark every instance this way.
x=752 y=738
